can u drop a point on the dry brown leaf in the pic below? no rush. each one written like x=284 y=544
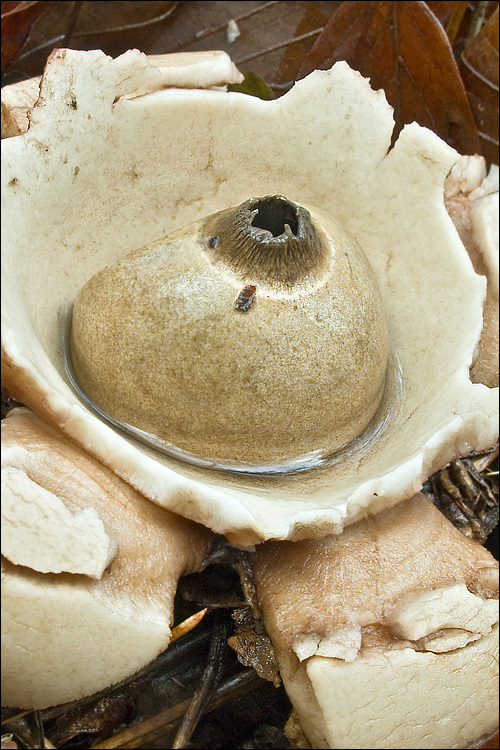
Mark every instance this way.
x=310 y=26
x=274 y=36
x=17 y=20
x=112 y=26
x=450 y=14
x=479 y=67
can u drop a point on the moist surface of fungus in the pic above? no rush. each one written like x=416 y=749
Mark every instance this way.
x=143 y=166
x=252 y=337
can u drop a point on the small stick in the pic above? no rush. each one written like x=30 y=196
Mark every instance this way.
x=187 y=625
x=207 y=685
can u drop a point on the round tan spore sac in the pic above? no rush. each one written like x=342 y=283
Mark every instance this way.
x=89 y=569
x=253 y=337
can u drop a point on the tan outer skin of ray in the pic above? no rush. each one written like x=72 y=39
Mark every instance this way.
x=76 y=628
x=387 y=635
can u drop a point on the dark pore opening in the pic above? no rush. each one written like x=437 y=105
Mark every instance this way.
x=273 y=213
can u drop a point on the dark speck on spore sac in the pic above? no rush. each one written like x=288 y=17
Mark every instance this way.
x=246 y=298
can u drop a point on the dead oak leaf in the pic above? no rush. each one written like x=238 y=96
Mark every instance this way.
x=450 y=14
x=17 y=20
x=403 y=49
x=479 y=67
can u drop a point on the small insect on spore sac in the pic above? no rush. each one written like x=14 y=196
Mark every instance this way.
x=246 y=298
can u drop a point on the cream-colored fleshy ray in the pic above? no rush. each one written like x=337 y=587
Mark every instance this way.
x=376 y=701
x=17 y=100
x=471 y=198
x=40 y=532
x=386 y=636
x=89 y=569
x=199 y=70
x=86 y=185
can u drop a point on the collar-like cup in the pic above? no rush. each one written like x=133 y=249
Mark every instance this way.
x=100 y=173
